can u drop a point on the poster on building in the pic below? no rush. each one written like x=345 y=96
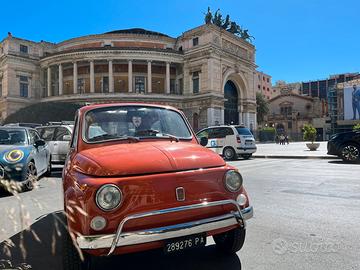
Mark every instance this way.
x=352 y=102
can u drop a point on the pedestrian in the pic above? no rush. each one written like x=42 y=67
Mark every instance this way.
x=286 y=139
x=282 y=139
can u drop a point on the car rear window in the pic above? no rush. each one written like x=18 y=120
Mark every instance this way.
x=243 y=131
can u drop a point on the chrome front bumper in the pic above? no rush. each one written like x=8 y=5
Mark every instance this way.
x=156 y=234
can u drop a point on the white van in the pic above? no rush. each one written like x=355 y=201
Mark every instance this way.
x=229 y=141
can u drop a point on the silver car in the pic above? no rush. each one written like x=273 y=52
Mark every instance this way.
x=58 y=137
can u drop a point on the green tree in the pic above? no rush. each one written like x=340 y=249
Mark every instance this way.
x=356 y=127
x=262 y=107
x=309 y=133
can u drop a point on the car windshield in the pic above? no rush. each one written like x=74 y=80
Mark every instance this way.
x=243 y=131
x=113 y=123
x=10 y=136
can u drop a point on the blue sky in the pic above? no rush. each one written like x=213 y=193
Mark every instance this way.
x=296 y=40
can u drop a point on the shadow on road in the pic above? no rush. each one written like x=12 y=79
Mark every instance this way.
x=343 y=162
x=47 y=253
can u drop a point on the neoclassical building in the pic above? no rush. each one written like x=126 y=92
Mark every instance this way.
x=207 y=72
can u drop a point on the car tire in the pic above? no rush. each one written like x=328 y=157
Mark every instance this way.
x=31 y=177
x=231 y=241
x=71 y=258
x=350 y=152
x=49 y=168
x=247 y=156
x=229 y=153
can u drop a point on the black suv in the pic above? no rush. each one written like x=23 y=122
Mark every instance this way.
x=345 y=145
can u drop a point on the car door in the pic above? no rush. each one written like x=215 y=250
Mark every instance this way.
x=40 y=152
x=61 y=146
x=207 y=134
x=217 y=138
x=47 y=134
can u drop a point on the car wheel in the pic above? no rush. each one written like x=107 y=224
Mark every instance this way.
x=229 y=153
x=49 y=168
x=31 y=176
x=231 y=241
x=247 y=156
x=350 y=153
x=71 y=257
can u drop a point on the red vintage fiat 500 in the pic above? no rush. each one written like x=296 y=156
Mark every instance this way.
x=136 y=178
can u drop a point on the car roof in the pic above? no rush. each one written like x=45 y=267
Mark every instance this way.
x=95 y=106
x=16 y=127
x=233 y=126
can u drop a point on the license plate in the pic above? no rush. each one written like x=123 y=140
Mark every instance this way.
x=248 y=143
x=184 y=243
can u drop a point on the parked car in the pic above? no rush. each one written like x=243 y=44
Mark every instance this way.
x=58 y=136
x=25 y=157
x=345 y=145
x=229 y=141
x=142 y=181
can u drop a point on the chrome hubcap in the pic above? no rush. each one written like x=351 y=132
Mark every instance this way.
x=228 y=153
x=350 y=153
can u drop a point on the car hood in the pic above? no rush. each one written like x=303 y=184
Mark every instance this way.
x=6 y=148
x=145 y=158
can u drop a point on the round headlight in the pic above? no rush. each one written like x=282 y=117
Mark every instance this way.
x=108 y=197
x=233 y=181
x=14 y=156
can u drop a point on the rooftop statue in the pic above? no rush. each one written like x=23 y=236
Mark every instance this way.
x=208 y=16
x=244 y=34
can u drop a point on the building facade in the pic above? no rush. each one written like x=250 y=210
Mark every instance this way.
x=320 y=88
x=263 y=85
x=207 y=72
x=289 y=112
x=339 y=103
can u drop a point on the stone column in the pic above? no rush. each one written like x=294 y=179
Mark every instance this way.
x=75 y=78
x=49 y=81
x=167 y=78
x=111 y=77
x=149 y=78
x=60 y=80
x=92 y=77
x=130 y=75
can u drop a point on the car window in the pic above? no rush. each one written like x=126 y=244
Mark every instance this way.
x=47 y=134
x=243 y=131
x=204 y=133
x=228 y=131
x=111 y=123
x=34 y=136
x=218 y=133
x=9 y=136
x=60 y=132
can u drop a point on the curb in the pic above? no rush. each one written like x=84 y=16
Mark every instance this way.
x=295 y=157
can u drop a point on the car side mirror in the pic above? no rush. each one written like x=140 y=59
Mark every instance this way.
x=67 y=138
x=39 y=143
x=204 y=141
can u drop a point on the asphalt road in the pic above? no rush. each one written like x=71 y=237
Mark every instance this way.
x=307 y=216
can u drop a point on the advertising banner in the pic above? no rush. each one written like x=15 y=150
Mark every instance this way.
x=352 y=102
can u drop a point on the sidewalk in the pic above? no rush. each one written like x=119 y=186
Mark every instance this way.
x=292 y=150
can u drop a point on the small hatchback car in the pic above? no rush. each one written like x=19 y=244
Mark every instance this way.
x=24 y=157
x=136 y=178
x=58 y=136
x=229 y=141
x=345 y=145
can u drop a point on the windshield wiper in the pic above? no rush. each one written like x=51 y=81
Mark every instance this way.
x=154 y=131
x=112 y=137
